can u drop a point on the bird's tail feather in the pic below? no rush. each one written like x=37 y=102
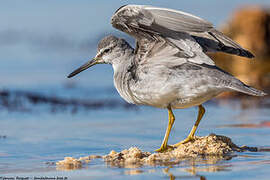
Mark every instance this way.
x=249 y=90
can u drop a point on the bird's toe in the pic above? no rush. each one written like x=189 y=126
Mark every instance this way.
x=164 y=148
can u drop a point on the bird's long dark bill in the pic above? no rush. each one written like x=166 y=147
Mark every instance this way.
x=83 y=67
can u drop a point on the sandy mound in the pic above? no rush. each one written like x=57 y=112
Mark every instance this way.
x=214 y=147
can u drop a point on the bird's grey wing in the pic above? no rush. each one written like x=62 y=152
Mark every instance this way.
x=159 y=50
x=170 y=24
x=176 y=52
x=150 y=44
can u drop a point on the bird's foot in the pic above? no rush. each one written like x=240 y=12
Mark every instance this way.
x=188 y=139
x=164 y=148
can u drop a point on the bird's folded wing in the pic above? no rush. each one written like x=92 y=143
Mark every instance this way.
x=146 y=22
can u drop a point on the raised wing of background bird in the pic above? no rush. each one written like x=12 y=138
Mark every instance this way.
x=161 y=32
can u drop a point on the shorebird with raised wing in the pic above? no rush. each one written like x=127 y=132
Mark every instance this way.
x=169 y=67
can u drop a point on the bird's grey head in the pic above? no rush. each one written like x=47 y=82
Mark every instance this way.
x=110 y=50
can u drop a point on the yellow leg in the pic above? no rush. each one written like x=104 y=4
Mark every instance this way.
x=164 y=146
x=194 y=128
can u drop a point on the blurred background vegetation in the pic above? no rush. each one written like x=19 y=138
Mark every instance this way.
x=250 y=27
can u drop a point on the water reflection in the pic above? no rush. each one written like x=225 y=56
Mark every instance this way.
x=193 y=170
x=133 y=172
x=191 y=165
x=173 y=177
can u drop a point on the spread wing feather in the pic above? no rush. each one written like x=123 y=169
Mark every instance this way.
x=190 y=35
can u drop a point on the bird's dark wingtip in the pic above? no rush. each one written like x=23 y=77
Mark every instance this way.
x=249 y=54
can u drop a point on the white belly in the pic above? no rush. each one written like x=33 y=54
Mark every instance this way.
x=193 y=101
x=174 y=97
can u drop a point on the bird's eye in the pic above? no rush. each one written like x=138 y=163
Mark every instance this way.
x=106 y=50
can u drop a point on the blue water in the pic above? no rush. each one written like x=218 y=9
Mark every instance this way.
x=41 y=42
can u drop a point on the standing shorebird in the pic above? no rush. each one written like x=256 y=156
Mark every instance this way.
x=169 y=67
